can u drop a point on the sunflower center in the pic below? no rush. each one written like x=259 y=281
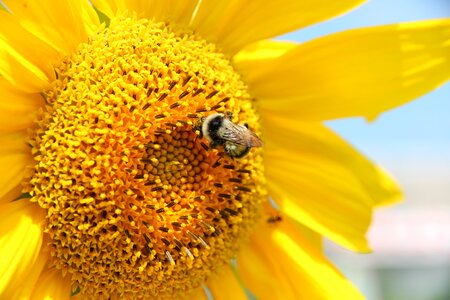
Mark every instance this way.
x=137 y=204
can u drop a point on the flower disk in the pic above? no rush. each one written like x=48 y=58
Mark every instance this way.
x=137 y=204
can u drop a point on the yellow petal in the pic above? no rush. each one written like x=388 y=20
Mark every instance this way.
x=17 y=109
x=109 y=7
x=177 y=11
x=321 y=142
x=234 y=24
x=263 y=50
x=284 y=261
x=389 y=191
x=20 y=241
x=62 y=24
x=52 y=285
x=37 y=34
x=359 y=72
x=261 y=274
x=25 y=61
x=31 y=279
x=225 y=285
x=257 y=55
x=14 y=158
x=330 y=212
x=321 y=181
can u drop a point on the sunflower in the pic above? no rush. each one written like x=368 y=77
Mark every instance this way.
x=109 y=190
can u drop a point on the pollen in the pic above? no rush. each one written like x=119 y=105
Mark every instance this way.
x=137 y=203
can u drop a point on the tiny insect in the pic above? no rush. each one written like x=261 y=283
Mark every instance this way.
x=236 y=139
x=274 y=219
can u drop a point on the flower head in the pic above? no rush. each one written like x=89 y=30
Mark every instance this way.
x=113 y=191
x=132 y=195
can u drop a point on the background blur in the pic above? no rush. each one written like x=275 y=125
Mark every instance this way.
x=411 y=241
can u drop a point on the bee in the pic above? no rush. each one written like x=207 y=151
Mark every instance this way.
x=236 y=139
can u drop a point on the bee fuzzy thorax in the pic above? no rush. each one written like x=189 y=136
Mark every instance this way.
x=236 y=139
x=210 y=127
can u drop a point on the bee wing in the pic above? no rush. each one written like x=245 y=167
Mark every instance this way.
x=255 y=141
x=241 y=135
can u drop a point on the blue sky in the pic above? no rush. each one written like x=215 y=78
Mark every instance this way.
x=419 y=130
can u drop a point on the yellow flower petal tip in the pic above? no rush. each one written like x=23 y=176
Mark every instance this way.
x=392 y=191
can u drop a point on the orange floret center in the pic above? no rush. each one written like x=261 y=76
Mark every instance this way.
x=137 y=203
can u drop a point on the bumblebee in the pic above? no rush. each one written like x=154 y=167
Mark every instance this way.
x=236 y=139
